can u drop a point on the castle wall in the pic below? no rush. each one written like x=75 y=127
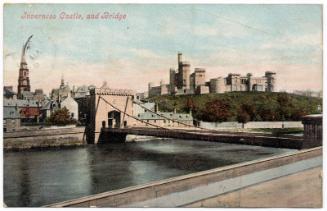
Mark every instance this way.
x=183 y=83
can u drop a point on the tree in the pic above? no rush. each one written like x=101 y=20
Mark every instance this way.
x=216 y=111
x=249 y=109
x=243 y=117
x=61 y=117
x=190 y=106
x=246 y=112
x=298 y=113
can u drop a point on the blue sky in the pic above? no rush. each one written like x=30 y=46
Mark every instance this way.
x=130 y=53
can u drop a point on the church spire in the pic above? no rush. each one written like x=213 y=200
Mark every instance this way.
x=23 y=78
x=62 y=83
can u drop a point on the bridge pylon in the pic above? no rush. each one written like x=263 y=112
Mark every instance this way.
x=103 y=115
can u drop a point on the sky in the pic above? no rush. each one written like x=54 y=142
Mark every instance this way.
x=131 y=52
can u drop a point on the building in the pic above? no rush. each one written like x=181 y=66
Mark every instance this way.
x=182 y=77
x=47 y=107
x=81 y=95
x=235 y=82
x=149 y=113
x=143 y=108
x=197 y=78
x=166 y=119
x=62 y=97
x=39 y=95
x=23 y=78
x=11 y=116
x=111 y=108
x=28 y=111
x=142 y=95
x=24 y=87
x=62 y=92
x=72 y=106
x=202 y=89
x=8 y=92
x=81 y=91
x=162 y=89
x=182 y=82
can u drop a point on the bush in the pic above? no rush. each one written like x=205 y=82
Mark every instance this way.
x=216 y=111
x=61 y=117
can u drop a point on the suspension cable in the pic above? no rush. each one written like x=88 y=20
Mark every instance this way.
x=169 y=118
x=131 y=115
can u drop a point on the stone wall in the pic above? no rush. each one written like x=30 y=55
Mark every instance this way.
x=44 y=138
x=262 y=124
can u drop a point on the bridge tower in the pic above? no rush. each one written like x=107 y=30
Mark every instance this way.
x=108 y=108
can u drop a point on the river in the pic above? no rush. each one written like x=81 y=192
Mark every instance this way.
x=40 y=177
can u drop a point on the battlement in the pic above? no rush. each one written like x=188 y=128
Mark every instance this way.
x=110 y=91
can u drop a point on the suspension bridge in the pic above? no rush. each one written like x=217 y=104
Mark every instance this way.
x=112 y=119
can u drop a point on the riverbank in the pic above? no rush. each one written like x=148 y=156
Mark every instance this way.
x=43 y=138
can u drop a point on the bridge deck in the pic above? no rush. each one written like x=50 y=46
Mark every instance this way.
x=217 y=136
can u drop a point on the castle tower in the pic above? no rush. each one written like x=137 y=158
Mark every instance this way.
x=179 y=58
x=23 y=78
x=270 y=81
x=249 y=76
x=183 y=79
x=62 y=82
x=172 y=81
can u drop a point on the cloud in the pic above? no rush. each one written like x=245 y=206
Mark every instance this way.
x=130 y=54
x=294 y=41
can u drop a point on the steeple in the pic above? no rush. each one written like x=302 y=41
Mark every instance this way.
x=23 y=78
x=62 y=83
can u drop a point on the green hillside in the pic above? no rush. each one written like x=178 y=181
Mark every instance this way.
x=241 y=106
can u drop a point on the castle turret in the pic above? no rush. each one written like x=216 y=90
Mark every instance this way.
x=249 y=81
x=150 y=85
x=179 y=58
x=172 y=81
x=270 y=81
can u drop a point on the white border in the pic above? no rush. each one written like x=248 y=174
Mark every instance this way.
x=167 y=2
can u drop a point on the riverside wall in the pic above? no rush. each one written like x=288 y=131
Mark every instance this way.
x=252 y=125
x=46 y=137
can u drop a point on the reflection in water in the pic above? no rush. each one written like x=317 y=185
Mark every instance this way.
x=35 y=178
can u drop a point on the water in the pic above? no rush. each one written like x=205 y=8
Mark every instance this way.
x=36 y=178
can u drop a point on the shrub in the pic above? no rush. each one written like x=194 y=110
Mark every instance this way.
x=61 y=117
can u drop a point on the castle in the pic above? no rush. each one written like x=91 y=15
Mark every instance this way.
x=182 y=82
